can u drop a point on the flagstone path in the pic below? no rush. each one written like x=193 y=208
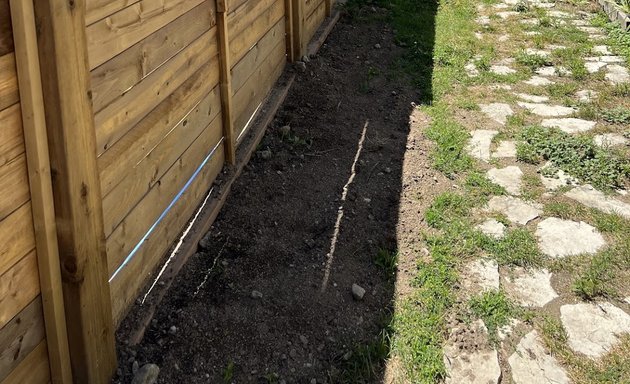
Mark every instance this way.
x=592 y=328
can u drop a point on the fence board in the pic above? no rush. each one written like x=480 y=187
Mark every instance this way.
x=249 y=97
x=8 y=81
x=14 y=190
x=109 y=37
x=100 y=9
x=127 y=235
x=313 y=21
x=268 y=44
x=121 y=200
x=116 y=162
x=6 y=33
x=33 y=369
x=20 y=336
x=310 y=6
x=11 y=136
x=242 y=42
x=133 y=277
x=18 y=287
x=112 y=79
x=241 y=18
x=120 y=116
x=16 y=237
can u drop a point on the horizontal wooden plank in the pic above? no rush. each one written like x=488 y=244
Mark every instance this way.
x=249 y=97
x=128 y=283
x=311 y=5
x=241 y=43
x=96 y=10
x=269 y=44
x=314 y=21
x=14 y=187
x=112 y=79
x=242 y=17
x=8 y=81
x=233 y=5
x=11 y=134
x=120 y=116
x=17 y=237
x=18 y=287
x=116 y=162
x=21 y=336
x=140 y=180
x=6 y=29
x=135 y=225
x=33 y=369
x=112 y=35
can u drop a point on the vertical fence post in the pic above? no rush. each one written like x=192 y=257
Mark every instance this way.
x=226 y=81
x=76 y=188
x=36 y=145
x=329 y=4
x=299 y=46
x=288 y=23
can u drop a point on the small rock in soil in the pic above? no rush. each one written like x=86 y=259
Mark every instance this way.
x=147 y=374
x=257 y=295
x=357 y=292
x=301 y=66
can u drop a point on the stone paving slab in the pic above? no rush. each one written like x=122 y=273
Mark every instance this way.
x=532 y=364
x=498 y=112
x=509 y=178
x=570 y=124
x=505 y=149
x=560 y=238
x=610 y=140
x=480 y=142
x=530 y=288
x=547 y=110
x=593 y=198
x=515 y=209
x=481 y=275
x=492 y=228
x=594 y=328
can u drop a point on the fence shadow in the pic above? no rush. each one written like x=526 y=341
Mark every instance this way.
x=269 y=296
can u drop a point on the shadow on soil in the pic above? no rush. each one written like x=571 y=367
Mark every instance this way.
x=264 y=300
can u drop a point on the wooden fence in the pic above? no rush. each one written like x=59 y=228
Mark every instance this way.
x=116 y=116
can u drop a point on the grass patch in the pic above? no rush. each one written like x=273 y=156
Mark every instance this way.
x=518 y=247
x=617 y=115
x=494 y=308
x=365 y=363
x=449 y=155
x=387 y=260
x=595 y=281
x=576 y=155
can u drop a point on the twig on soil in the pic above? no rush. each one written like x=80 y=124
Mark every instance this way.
x=372 y=170
x=319 y=153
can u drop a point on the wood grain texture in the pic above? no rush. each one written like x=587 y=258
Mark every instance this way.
x=40 y=186
x=114 y=34
x=14 y=188
x=20 y=336
x=120 y=116
x=118 y=160
x=112 y=79
x=270 y=44
x=17 y=237
x=250 y=95
x=8 y=81
x=313 y=21
x=242 y=42
x=143 y=176
x=134 y=276
x=33 y=369
x=76 y=186
x=100 y=9
x=225 y=66
x=131 y=230
x=6 y=33
x=18 y=287
x=11 y=135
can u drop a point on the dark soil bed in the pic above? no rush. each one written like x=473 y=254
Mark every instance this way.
x=273 y=236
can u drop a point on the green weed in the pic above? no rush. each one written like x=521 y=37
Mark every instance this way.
x=494 y=308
